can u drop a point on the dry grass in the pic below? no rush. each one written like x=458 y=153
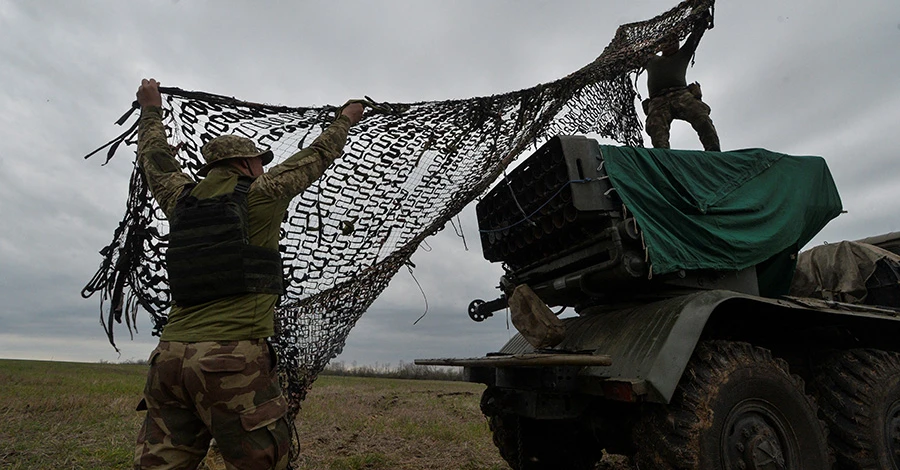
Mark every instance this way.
x=65 y=415
x=365 y=423
x=81 y=416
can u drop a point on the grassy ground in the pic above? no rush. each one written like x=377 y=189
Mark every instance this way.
x=354 y=423
x=57 y=415
x=66 y=415
x=81 y=416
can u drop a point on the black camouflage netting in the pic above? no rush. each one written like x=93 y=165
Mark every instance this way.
x=406 y=171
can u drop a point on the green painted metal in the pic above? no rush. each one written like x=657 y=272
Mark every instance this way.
x=652 y=342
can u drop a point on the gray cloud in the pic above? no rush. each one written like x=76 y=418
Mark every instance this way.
x=803 y=77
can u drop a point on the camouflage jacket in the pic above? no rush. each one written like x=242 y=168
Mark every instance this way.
x=247 y=316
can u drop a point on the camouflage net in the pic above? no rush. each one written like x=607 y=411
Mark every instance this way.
x=406 y=171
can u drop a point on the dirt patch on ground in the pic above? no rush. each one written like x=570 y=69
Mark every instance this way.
x=357 y=423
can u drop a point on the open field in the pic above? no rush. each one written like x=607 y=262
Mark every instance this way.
x=81 y=416
x=71 y=415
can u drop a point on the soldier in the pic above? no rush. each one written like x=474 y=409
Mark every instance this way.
x=212 y=374
x=672 y=98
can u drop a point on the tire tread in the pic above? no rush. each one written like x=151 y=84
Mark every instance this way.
x=847 y=385
x=668 y=436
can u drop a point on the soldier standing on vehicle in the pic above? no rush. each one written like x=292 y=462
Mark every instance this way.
x=213 y=373
x=672 y=98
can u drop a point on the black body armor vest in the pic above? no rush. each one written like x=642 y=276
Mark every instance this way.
x=210 y=255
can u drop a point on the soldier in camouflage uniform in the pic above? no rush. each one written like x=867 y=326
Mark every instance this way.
x=672 y=98
x=213 y=373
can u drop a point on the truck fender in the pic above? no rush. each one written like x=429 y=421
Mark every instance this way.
x=651 y=342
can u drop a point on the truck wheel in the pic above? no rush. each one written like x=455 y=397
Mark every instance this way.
x=859 y=392
x=531 y=444
x=736 y=407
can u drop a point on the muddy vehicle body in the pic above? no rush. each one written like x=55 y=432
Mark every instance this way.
x=689 y=368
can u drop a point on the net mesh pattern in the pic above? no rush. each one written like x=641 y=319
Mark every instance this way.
x=408 y=168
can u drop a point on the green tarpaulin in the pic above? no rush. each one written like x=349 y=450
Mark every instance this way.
x=724 y=210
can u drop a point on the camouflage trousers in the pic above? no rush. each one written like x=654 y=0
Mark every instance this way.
x=685 y=106
x=223 y=390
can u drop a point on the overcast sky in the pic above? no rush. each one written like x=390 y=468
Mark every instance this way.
x=813 y=77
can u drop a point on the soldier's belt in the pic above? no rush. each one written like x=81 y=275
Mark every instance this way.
x=668 y=91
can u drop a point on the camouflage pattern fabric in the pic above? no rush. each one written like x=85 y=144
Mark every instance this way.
x=225 y=147
x=223 y=390
x=683 y=105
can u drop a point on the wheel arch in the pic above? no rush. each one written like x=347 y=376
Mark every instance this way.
x=778 y=323
x=653 y=342
x=804 y=335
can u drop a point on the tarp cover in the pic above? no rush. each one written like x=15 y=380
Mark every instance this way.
x=724 y=210
x=838 y=271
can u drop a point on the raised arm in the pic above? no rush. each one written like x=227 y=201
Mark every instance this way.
x=154 y=155
x=290 y=177
x=693 y=40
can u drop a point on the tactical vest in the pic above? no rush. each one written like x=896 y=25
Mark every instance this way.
x=210 y=255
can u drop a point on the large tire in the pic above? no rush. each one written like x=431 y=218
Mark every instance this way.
x=736 y=407
x=859 y=394
x=531 y=444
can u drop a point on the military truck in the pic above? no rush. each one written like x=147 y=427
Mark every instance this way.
x=687 y=340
